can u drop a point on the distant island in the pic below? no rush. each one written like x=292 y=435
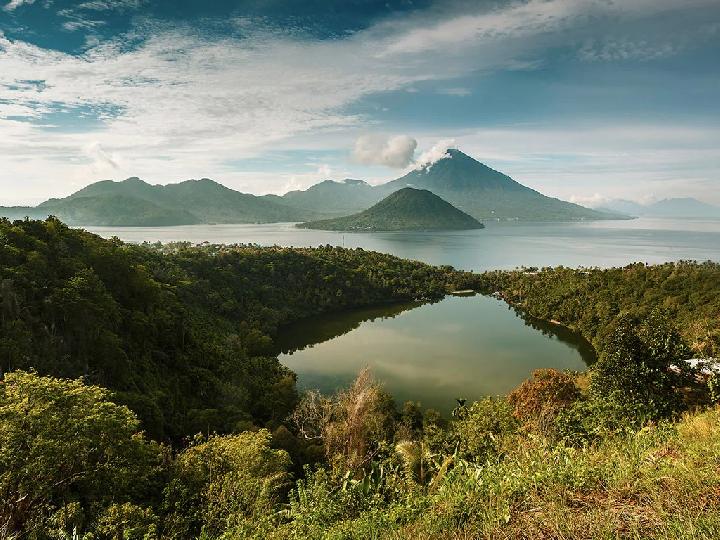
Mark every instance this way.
x=680 y=207
x=407 y=209
x=473 y=188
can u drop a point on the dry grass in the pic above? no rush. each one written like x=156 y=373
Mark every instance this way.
x=634 y=490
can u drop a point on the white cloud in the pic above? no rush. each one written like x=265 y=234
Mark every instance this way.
x=14 y=4
x=303 y=180
x=185 y=104
x=111 y=5
x=456 y=91
x=626 y=49
x=101 y=160
x=438 y=151
x=515 y=21
x=81 y=24
x=596 y=200
x=396 y=152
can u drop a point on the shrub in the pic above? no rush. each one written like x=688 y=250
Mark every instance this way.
x=362 y=417
x=635 y=367
x=225 y=483
x=478 y=429
x=537 y=401
x=66 y=453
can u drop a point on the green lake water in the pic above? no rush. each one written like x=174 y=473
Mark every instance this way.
x=460 y=347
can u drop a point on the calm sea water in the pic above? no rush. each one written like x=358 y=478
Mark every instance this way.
x=459 y=347
x=500 y=245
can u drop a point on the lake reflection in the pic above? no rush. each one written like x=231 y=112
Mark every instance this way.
x=459 y=347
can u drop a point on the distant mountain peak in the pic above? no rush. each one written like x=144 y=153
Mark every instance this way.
x=345 y=181
x=201 y=181
x=456 y=153
x=354 y=182
x=674 y=207
x=456 y=171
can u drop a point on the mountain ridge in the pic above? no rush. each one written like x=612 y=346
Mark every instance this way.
x=679 y=207
x=462 y=181
x=134 y=202
x=467 y=184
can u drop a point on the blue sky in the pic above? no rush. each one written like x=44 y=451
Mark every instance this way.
x=580 y=99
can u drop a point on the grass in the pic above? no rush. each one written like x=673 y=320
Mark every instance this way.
x=661 y=482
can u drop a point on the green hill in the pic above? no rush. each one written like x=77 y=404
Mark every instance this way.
x=133 y=202
x=21 y=212
x=331 y=198
x=117 y=211
x=407 y=209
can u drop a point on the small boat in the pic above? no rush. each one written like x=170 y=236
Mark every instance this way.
x=466 y=292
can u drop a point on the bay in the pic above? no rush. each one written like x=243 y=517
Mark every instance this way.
x=503 y=245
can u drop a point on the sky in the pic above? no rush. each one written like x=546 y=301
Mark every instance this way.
x=586 y=100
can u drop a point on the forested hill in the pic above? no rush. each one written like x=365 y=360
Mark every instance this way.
x=133 y=202
x=407 y=209
x=592 y=300
x=180 y=333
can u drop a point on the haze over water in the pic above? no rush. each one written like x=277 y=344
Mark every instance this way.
x=498 y=246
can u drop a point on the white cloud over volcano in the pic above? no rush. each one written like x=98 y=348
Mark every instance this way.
x=395 y=152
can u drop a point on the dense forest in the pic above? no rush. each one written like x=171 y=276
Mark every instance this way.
x=140 y=399
x=181 y=334
x=406 y=209
x=591 y=300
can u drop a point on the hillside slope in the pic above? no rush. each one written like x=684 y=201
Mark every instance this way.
x=133 y=202
x=485 y=193
x=407 y=209
x=469 y=185
x=330 y=198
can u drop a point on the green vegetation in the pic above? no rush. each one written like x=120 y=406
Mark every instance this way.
x=181 y=334
x=591 y=300
x=199 y=432
x=407 y=209
x=133 y=202
x=117 y=211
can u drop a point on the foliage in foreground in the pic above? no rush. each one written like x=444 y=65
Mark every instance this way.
x=181 y=335
x=565 y=455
